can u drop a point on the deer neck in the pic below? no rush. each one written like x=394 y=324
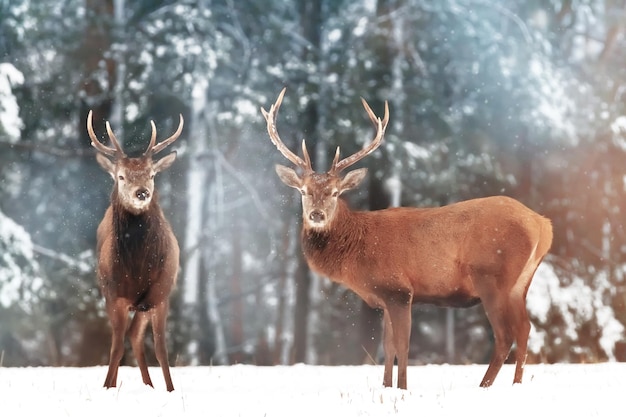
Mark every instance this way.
x=327 y=249
x=137 y=235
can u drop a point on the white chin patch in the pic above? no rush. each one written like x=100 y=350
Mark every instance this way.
x=140 y=205
x=316 y=225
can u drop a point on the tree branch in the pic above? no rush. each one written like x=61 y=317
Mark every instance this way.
x=57 y=152
x=78 y=264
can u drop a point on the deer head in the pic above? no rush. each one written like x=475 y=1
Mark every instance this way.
x=320 y=191
x=134 y=177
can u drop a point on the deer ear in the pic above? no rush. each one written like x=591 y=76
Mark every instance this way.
x=165 y=162
x=352 y=179
x=289 y=176
x=106 y=164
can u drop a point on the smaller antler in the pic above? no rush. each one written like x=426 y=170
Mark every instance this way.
x=270 y=118
x=381 y=125
x=154 y=149
x=116 y=152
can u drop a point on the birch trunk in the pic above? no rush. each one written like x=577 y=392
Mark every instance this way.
x=117 y=109
x=196 y=186
x=210 y=303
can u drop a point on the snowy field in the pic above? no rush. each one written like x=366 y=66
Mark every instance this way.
x=304 y=390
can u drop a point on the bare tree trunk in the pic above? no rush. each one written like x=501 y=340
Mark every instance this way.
x=210 y=303
x=450 y=337
x=301 y=315
x=288 y=243
x=236 y=330
x=310 y=17
x=209 y=306
x=117 y=111
x=196 y=186
x=95 y=96
x=96 y=43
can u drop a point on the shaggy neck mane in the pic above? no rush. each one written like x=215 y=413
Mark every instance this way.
x=139 y=245
x=326 y=249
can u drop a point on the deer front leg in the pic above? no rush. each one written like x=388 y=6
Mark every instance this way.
x=400 y=320
x=390 y=350
x=118 y=316
x=159 y=317
x=137 y=333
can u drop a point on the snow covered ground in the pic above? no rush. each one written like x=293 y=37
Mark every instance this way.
x=304 y=390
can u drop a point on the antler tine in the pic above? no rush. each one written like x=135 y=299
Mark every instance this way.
x=114 y=140
x=107 y=150
x=307 y=158
x=381 y=125
x=152 y=150
x=270 y=118
x=152 y=139
x=373 y=117
x=336 y=158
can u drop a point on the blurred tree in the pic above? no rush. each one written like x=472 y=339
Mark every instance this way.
x=523 y=98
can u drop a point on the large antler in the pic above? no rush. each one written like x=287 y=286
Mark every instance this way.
x=381 y=125
x=116 y=152
x=154 y=149
x=270 y=118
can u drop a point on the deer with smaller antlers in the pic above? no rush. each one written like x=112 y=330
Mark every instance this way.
x=138 y=254
x=482 y=250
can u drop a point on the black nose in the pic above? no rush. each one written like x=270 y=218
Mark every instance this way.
x=317 y=216
x=142 y=194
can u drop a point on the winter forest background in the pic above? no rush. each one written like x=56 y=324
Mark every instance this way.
x=523 y=98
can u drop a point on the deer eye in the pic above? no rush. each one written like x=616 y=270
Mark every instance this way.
x=120 y=177
x=335 y=193
x=151 y=176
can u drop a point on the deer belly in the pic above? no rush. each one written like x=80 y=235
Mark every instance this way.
x=442 y=278
x=458 y=299
x=134 y=291
x=446 y=290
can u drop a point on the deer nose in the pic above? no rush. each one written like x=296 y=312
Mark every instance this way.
x=142 y=194
x=317 y=216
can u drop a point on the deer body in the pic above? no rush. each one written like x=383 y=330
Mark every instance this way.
x=478 y=251
x=405 y=247
x=138 y=254
x=136 y=260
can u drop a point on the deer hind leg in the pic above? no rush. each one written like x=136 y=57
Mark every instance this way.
x=118 y=316
x=159 y=317
x=521 y=322
x=521 y=329
x=137 y=335
x=498 y=313
x=503 y=342
x=513 y=324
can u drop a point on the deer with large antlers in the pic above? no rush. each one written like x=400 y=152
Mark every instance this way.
x=138 y=254
x=483 y=250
